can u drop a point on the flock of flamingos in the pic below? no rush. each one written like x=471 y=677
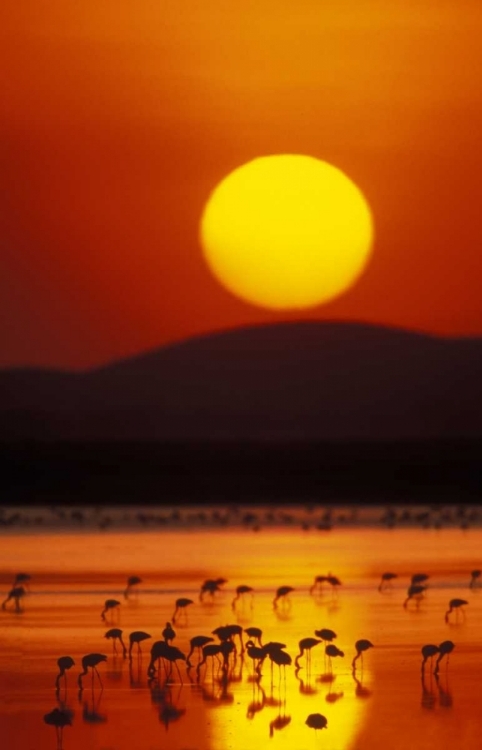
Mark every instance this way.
x=226 y=640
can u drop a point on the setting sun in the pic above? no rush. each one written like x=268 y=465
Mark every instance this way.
x=286 y=232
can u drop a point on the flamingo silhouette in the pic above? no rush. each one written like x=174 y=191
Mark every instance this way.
x=281 y=721
x=415 y=591
x=181 y=605
x=168 y=633
x=317 y=721
x=282 y=594
x=91 y=660
x=279 y=657
x=109 y=605
x=474 y=578
x=255 y=633
x=332 y=651
x=197 y=642
x=305 y=645
x=241 y=591
x=137 y=636
x=428 y=652
x=257 y=654
x=386 y=581
x=213 y=650
x=22 y=578
x=457 y=605
x=16 y=593
x=162 y=650
x=419 y=578
x=361 y=646
x=64 y=663
x=211 y=586
x=445 y=649
x=115 y=634
x=227 y=633
x=131 y=582
x=58 y=718
x=326 y=634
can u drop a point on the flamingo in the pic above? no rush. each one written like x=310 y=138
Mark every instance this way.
x=197 y=643
x=326 y=634
x=22 y=578
x=282 y=593
x=16 y=593
x=361 y=646
x=131 y=582
x=332 y=651
x=255 y=633
x=306 y=644
x=181 y=605
x=211 y=586
x=428 y=652
x=386 y=581
x=419 y=578
x=58 y=718
x=109 y=604
x=91 y=660
x=445 y=648
x=279 y=657
x=116 y=635
x=457 y=605
x=317 y=721
x=257 y=654
x=415 y=591
x=137 y=636
x=168 y=633
x=213 y=650
x=162 y=650
x=240 y=592
x=227 y=633
x=64 y=663
x=474 y=577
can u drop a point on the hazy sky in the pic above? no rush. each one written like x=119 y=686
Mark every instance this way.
x=118 y=118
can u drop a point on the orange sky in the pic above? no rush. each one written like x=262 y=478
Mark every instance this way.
x=118 y=118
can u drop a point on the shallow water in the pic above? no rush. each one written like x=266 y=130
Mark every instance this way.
x=384 y=705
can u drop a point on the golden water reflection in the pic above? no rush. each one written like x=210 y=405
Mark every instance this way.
x=385 y=704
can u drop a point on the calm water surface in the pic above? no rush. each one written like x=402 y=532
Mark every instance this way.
x=384 y=705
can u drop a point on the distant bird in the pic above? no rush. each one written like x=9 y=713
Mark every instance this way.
x=361 y=646
x=181 y=605
x=474 y=577
x=109 y=605
x=428 y=652
x=64 y=663
x=281 y=594
x=211 y=586
x=386 y=581
x=332 y=651
x=22 y=578
x=305 y=645
x=255 y=633
x=162 y=650
x=91 y=660
x=415 y=591
x=326 y=634
x=445 y=649
x=137 y=636
x=457 y=605
x=16 y=594
x=197 y=642
x=317 y=586
x=316 y=721
x=131 y=582
x=419 y=578
x=168 y=633
x=227 y=633
x=115 y=634
x=257 y=654
x=58 y=718
x=241 y=591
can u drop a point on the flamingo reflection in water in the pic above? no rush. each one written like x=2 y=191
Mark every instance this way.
x=91 y=709
x=281 y=721
x=59 y=718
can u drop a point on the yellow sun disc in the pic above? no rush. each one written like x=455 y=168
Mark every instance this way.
x=286 y=231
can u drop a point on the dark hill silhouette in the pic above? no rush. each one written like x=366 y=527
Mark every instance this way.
x=305 y=380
